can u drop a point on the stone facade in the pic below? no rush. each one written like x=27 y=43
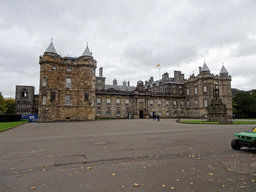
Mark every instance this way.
x=67 y=87
x=69 y=90
x=26 y=102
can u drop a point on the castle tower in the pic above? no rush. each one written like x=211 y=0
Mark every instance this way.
x=67 y=86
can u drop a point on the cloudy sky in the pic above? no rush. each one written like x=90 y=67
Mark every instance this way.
x=129 y=38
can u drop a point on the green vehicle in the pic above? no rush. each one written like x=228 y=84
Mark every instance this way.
x=245 y=139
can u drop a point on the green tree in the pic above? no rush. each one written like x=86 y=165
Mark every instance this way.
x=244 y=105
x=2 y=104
x=10 y=106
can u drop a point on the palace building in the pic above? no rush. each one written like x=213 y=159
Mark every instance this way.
x=70 y=91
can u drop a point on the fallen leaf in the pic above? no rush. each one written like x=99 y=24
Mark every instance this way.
x=63 y=171
x=8 y=186
x=183 y=170
x=105 y=147
x=229 y=179
x=190 y=148
x=163 y=185
x=124 y=166
x=42 y=165
x=244 y=183
x=136 y=184
x=157 y=157
x=253 y=180
x=76 y=172
x=81 y=167
x=223 y=185
x=33 y=187
x=242 y=187
x=144 y=167
x=135 y=157
x=113 y=174
x=146 y=173
x=18 y=175
x=43 y=169
x=228 y=169
x=88 y=168
x=30 y=169
x=242 y=179
x=210 y=174
x=191 y=183
x=194 y=168
x=70 y=173
x=177 y=180
x=198 y=157
x=172 y=188
x=12 y=168
x=123 y=186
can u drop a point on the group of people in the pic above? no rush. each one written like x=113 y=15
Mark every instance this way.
x=156 y=117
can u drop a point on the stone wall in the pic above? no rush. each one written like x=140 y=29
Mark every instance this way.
x=82 y=90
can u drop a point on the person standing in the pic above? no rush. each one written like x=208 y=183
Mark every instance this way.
x=158 y=118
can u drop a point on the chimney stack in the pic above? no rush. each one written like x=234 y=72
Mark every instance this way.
x=101 y=72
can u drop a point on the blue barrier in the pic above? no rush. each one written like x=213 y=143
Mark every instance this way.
x=33 y=118
x=26 y=116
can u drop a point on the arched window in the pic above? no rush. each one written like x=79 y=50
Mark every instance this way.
x=24 y=93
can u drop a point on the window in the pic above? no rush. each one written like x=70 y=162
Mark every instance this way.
x=175 y=104
x=187 y=104
x=167 y=114
x=98 y=102
x=127 y=102
x=205 y=102
x=195 y=90
x=160 y=114
x=93 y=101
x=69 y=69
x=68 y=82
x=118 y=113
x=86 y=96
x=54 y=67
x=175 y=113
x=204 y=81
x=117 y=102
x=24 y=93
x=98 y=113
x=159 y=103
x=53 y=95
x=196 y=104
x=68 y=99
x=44 y=100
x=180 y=92
x=182 y=104
x=108 y=102
x=108 y=113
x=187 y=91
x=205 y=89
x=151 y=103
x=93 y=84
x=44 y=81
x=167 y=103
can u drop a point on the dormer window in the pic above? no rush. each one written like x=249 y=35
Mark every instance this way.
x=24 y=93
x=54 y=67
x=69 y=69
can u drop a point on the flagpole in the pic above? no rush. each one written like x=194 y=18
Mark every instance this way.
x=159 y=72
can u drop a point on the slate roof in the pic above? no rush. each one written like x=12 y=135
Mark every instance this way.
x=205 y=68
x=51 y=49
x=87 y=52
x=223 y=70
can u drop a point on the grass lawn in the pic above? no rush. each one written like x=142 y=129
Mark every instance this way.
x=206 y=122
x=9 y=125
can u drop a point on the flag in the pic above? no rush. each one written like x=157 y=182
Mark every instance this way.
x=158 y=65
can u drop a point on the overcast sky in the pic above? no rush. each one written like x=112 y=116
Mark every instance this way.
x=129 y=38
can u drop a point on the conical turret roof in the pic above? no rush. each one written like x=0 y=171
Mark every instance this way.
x=87 y=52
x=223 y=70
x=205 y=68
x=51 y=49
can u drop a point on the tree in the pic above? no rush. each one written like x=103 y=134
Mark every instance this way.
x=10 y=106
x=244 y=105
x=2 y=104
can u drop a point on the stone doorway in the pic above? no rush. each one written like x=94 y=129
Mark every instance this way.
x=141 y=114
